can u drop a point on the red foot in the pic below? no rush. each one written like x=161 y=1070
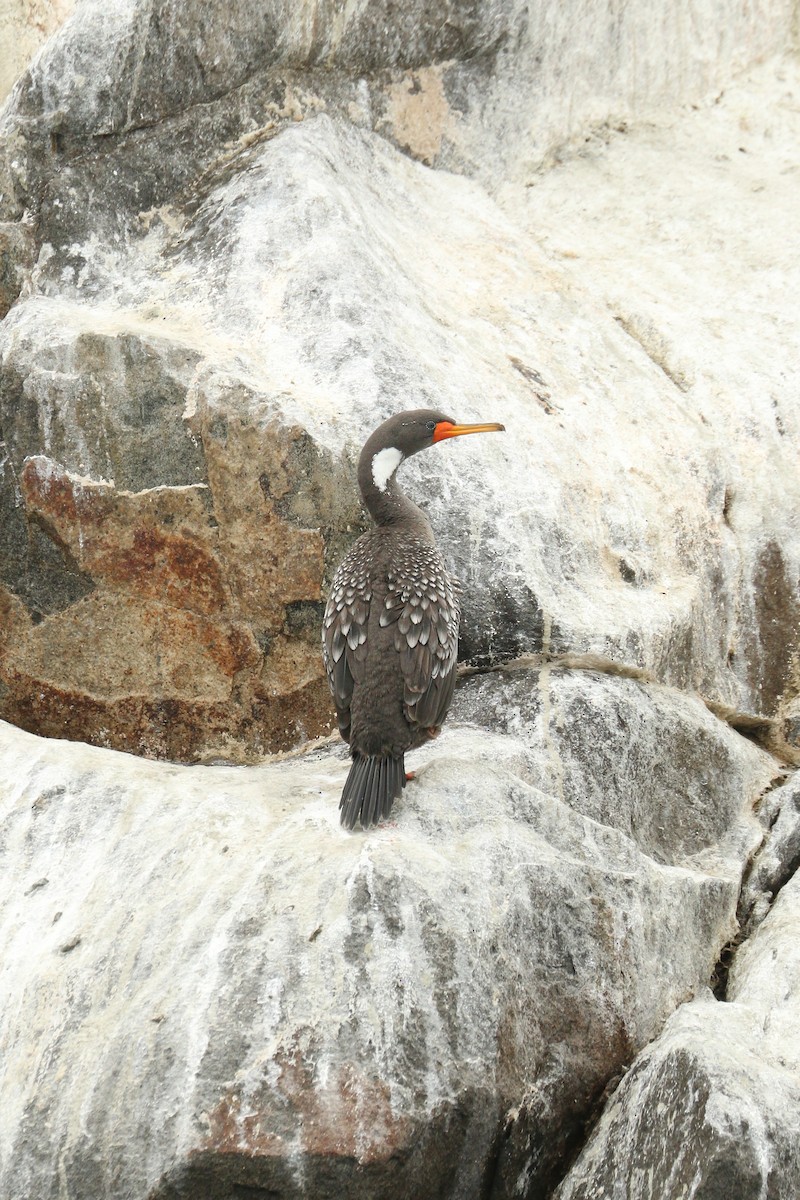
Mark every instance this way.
x=410 y=775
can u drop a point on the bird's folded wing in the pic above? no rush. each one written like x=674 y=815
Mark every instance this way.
x=344 y=639
x=423 y=606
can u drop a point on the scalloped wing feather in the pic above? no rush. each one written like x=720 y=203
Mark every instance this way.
x=344 y=635
x=422 y=604
x=426 y=609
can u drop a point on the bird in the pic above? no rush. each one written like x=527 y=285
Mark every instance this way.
x=390 y=627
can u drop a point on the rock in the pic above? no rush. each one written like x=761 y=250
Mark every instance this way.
x=224 y=258
x=250 y=331
x=700 y=1114
x=493 y=89
x=712 y=1108
x=158 y=619
x=17 y=256
x=634 y=258
x=778 y=858
x=668 y=803
x=245 y=996
x=765 y=977
x=26 y=25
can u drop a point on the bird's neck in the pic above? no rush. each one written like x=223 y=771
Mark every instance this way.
x=386 y=503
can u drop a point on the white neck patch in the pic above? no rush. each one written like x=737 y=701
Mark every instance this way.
x=384 y=465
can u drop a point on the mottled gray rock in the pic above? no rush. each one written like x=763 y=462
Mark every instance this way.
x=712 y=1108
x=491 y=88
x=238 y=993
x=702 y=1113
x=778 y=859
x=765 y=977
x=122 y=114
x=220 y=273
x=646 y=761
x=17 y=256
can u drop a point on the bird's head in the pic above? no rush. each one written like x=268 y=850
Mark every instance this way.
x=407 y=434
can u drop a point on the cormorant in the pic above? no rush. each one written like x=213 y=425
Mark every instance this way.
x=390 y=631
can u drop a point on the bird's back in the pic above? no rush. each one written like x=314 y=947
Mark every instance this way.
x=390 y=641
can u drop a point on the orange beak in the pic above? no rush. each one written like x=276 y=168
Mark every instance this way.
x=446 y=429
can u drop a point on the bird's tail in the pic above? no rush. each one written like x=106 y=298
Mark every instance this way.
x=371 y=788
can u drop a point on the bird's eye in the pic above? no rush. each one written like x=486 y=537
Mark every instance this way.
x=430 y=425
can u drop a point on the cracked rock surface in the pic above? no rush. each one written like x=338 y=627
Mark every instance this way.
x=712 y=1108
x=258 y=997
x=778 y=858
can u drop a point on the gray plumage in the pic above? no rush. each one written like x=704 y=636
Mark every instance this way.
x=390 y=630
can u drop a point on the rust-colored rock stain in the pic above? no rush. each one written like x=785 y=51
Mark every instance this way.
x=157 y=543
x=186 y=645
x=349 y=1116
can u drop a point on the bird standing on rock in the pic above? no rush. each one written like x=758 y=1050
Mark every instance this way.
x=390 y=631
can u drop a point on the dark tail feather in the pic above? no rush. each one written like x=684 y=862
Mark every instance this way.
x=370 y=789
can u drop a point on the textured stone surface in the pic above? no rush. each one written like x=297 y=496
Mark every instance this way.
x=646 y=761
x=765 y=977
x=219 y=268
x=778 y=859
x=738 y=166
x=17 y=256
x=248 y=334
x=491 y=88
x=712 y=1108
x=26 y=24
x=176 y=620
x=703 y=1113
x=244 y=995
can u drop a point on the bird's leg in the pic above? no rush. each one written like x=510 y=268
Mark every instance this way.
x=410 y=775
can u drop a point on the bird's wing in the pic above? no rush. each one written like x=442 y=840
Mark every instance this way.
x=422 y=602
x=344 y=636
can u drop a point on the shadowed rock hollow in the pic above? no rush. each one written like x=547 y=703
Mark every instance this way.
x=232 y=240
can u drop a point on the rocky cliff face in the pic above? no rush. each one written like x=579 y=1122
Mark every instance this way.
x=232 y=239
x=216 y=987
x=220 y=294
